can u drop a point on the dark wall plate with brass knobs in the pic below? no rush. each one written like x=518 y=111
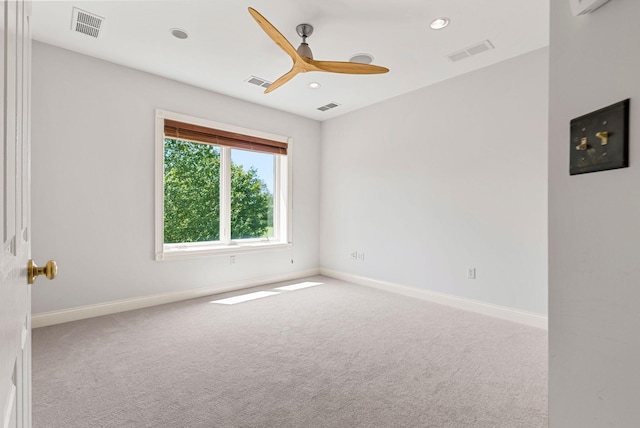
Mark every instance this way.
x=600 y=140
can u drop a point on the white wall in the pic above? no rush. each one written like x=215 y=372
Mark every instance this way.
x=445 y=178
x=594 y=226
x=93 y=182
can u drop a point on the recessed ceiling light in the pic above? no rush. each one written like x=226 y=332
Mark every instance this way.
x=314 y=85
x=440 y=23
x=179 y=34
x=362 y=58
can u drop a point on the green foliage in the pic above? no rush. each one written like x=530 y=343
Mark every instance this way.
x=192 y=196
x=251 y=204
x=191 y=192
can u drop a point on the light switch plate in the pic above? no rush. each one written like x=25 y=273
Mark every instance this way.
x=600 y=140
x=582 y=7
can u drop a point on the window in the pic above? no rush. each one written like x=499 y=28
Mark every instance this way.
x=219 y=189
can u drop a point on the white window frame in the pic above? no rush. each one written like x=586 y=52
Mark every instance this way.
x=282 y=215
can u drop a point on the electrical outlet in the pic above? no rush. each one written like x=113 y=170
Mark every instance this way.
x=471 y=273
x=232 y=260
x=354 y=255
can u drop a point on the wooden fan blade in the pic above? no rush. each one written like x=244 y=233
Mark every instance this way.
x=282 y=80
x=346 y=67
x=275 y=35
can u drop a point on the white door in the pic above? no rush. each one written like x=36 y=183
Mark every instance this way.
x=15 y=250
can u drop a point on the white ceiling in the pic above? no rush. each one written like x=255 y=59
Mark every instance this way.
x=226 y=46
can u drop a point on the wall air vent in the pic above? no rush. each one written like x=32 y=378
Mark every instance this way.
x=258 y=81
x=328 y=106
x=86 y=23
x=470 y=51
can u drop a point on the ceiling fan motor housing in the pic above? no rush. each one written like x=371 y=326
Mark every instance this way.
x=304 y=31
x=305 y=50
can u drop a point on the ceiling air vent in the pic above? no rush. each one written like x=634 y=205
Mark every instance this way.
x=328 y=106
x=470 y=51
x=86 y=23
x=258 y=81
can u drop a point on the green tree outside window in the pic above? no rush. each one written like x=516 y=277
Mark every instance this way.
x=192 y=196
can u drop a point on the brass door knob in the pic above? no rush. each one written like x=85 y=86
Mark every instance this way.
x=50 y=270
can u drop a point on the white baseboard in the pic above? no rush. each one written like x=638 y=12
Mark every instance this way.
x=58 y=317
x=73 y=314
x=497 y=311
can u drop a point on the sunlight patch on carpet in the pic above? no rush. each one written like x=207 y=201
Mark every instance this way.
x=244 y=297
x=299 y=286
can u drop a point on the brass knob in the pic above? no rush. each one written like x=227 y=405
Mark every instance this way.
x=583 y=144
x=604 y=137
x=50 y=270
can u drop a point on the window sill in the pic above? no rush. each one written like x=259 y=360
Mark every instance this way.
x=193 y=251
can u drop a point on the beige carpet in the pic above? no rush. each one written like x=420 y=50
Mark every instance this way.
x=331 y=355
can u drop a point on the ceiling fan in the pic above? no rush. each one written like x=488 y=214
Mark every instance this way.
x=303 y=58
